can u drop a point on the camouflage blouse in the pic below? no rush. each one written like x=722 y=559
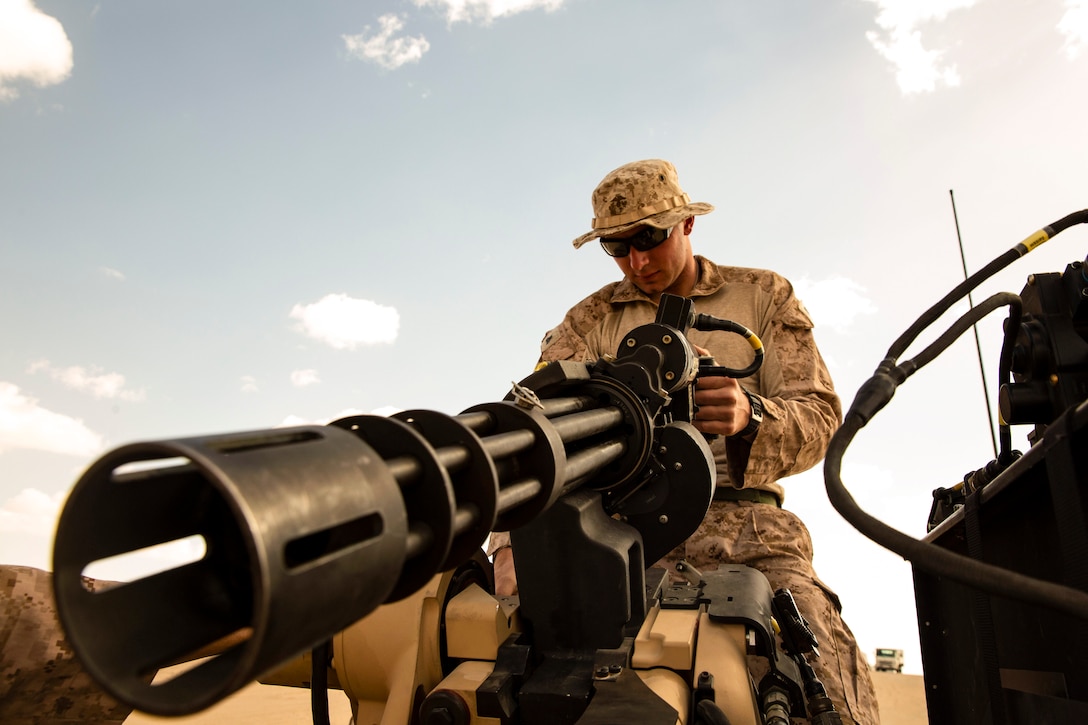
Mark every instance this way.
x=801 y=409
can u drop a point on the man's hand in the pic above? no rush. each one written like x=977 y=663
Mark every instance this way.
x=506 y=580
x=723 y=408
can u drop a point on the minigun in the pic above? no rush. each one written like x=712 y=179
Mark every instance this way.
x=594 y=468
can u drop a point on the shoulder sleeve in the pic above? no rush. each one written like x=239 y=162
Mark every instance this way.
x=568 y=340
x=801 y=408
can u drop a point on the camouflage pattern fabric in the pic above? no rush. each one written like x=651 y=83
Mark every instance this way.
x=41 y=683
x=801 y=413
x=640 y=193
x=800 y=408
x=777 y=543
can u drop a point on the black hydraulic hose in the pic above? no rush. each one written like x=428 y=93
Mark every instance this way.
x=708 y=323
x=930 y=316
x=960 y=326
x=1077 y=217
x=933 y=559
x=875 y=393
x=995 y=266
x=319 y=682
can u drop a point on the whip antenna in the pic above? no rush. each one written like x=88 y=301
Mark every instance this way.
x=978 y=345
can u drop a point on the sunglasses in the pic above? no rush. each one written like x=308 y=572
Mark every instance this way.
x=644 y=241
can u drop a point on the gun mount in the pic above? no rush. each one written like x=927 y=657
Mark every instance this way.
x=594 y=468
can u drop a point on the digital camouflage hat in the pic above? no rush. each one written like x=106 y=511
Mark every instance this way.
x=643 y=192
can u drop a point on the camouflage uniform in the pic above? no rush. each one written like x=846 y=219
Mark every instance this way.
x=41 y=683
x=801 y=412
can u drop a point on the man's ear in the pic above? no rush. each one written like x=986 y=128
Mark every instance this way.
x=689 y=224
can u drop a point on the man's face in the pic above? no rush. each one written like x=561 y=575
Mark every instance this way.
x=665 y=268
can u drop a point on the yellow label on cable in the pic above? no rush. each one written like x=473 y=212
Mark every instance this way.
x=1035 y=240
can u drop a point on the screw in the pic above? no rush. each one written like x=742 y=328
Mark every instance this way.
x=630 y=342
x=662 y=519
x=667 y=340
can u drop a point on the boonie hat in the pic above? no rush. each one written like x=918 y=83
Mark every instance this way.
x=643 y=192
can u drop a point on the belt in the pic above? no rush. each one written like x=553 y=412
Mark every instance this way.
x=728 y=493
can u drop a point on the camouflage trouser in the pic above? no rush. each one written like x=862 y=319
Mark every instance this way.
x=777 y=543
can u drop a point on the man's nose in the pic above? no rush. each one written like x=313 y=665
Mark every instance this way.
x=637 y=259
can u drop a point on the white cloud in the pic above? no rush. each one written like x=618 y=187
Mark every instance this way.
x=918 y=69
x=385 y=46
x=390 y=48
x=25 y=424
x=295 y=420
x=27 y=523
x=385 y=411
x=486 y=10
x=110 y=271
x=249 y=384
x=30 y=512
x=1074 y=26
x=302 y=378
x=835 y=302
x=345 y=323
x=94 y=381
x=33 y=47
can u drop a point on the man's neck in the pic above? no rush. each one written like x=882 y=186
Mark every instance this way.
x=684 y=284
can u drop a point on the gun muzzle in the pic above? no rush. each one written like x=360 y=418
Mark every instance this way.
x=287 y=564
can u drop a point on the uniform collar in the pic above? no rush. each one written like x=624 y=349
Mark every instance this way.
x=710 y=281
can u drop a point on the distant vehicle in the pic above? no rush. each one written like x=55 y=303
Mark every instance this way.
x=889 y=660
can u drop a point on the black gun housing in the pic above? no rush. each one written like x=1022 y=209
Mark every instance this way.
x=309 y=529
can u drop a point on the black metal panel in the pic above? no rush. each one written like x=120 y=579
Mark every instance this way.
x=581 y=576
x=992 y=659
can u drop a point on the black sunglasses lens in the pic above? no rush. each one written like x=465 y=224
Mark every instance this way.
x=644 y=241
x=615 y=247
x=648 y=239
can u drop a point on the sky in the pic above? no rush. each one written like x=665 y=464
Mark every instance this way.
x=229 y=216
